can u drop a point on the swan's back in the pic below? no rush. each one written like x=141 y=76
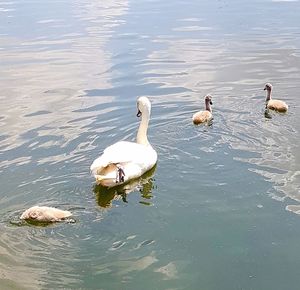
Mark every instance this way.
x=202 y=117
x=134 y=160
x=277 y=105
x=124 y=152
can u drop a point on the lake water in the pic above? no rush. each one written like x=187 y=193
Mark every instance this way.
x=219 y=211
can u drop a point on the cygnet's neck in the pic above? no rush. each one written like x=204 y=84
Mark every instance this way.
x=207 y=105
x=141 y=137
x=268 y=95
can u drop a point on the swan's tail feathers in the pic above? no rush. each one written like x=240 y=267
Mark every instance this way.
x=109 y=175
x=100 y=178
x=94 y=170
x=98 y=165
x=104 y=180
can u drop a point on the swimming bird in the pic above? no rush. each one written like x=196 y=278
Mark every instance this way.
x=124 y=160
x=45 y=214
x=276 y=105
x=204 y=116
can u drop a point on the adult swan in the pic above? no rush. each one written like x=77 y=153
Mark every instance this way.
x=124 y=161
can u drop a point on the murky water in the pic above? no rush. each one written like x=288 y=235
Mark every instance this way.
x=220 y=209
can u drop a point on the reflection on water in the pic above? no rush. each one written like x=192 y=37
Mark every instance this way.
x=169 y=271
x=268 y=114
x=45 y=71
x=143 y=184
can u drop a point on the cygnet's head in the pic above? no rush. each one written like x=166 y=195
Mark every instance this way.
x=143 y=106
x=208 y=99
x=268 y=87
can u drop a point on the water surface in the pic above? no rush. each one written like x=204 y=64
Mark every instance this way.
x=219 y=211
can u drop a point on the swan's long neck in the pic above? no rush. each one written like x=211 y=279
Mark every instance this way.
x=268 y=95
x=207 y=106
x=141 y=137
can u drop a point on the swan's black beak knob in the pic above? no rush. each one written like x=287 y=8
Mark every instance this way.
x=139 y=113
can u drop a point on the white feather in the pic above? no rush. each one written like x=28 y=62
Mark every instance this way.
x=134 y=158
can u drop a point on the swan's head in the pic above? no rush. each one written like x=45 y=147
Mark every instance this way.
x=208 y=99
x=143 y=106
x=268 y=87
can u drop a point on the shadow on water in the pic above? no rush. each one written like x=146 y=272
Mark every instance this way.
x=267 y=114
x=270 y=113
x=35 y=223
x=20 y=223
x=144 y=184
x=206 y=125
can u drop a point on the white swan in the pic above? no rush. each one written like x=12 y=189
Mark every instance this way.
x=204 y=116
x=124 y=161
x=276 y=105
x=45 y=214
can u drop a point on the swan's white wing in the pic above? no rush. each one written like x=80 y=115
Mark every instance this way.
x=121 y=153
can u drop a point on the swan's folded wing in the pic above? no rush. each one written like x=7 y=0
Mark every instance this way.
x=120 y=153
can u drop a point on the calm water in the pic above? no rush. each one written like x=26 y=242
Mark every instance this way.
x=220 y=209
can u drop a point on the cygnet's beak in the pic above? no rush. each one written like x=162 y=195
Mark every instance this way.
x=265 y=88
x=211 y=102
x=139 y=113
